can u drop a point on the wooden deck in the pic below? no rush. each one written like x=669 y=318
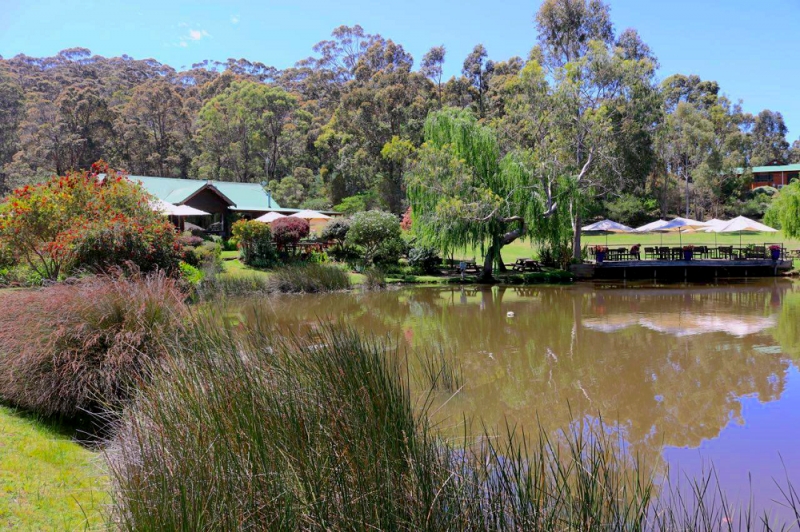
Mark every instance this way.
x=681 y=269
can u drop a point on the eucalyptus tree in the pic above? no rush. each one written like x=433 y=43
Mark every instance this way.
x=241 y=132
x=464 y=194
x=590 y=90
x=794 y=152
x=769 y=139
x=432 y=68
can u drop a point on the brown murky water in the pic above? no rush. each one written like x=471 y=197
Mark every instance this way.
x=689 y=374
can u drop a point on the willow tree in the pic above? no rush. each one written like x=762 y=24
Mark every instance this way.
x=784 y=211
x=463 y=193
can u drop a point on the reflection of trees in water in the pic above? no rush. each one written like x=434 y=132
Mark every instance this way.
x=787 y=330
x=660 y=388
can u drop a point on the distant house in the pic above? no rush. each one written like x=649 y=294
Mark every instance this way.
x=774 y=175
x=226 y=201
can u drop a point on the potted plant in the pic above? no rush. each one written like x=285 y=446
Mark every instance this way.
x=688 y=251
x=775 y=251
x=600 y=253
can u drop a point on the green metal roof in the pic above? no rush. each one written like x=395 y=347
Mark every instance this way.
x=771 y=169
x=782 y=168
x=245 y=196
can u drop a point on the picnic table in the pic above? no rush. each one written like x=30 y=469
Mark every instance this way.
x=469 y=266
x=526 y=265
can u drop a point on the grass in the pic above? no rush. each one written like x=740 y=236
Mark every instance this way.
x=47 y=481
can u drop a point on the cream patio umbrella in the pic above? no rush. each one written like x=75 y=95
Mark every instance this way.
x=606 y=226
x=741 y=224
x=680 y=224
x=169 y=209
x=315 y=219
x=270 y=217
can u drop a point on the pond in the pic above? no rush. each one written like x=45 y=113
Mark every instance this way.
x=689 y=375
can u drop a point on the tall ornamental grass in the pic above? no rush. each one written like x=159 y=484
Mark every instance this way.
x=70 y=350
x=245 y=429
x=308 y=278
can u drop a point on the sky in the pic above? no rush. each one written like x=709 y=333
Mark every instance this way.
x=748 y=46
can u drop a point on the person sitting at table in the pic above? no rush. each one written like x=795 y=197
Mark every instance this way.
x=635 y=251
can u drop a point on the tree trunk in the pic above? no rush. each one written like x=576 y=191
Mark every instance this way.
x=576 y=231
x=488 y=261
x=687 y=195
x=501 y=267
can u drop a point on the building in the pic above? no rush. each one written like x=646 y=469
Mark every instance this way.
x=773 y=175
x=225 y=201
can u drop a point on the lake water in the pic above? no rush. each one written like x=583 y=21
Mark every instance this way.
x=689 y=374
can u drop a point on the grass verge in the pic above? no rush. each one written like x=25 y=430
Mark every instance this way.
x=47 y=481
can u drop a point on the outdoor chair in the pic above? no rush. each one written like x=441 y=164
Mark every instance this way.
x=649 y=253
x=725 y=252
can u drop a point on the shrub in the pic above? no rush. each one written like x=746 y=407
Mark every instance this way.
x=308 y=278
x=288 y=231
x=190 y=274
x=254 y=240
x=72 y=349
x=78 y=220
x=375 y=232
x=208 y=256
x=407 y=221
x=336 y=231
x=424 y=259
x=125 y=241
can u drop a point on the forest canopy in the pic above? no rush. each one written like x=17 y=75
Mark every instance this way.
x=345 y=126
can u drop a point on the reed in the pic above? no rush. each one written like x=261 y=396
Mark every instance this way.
x=308 y=278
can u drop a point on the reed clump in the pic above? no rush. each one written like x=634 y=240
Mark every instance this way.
x=308 y=278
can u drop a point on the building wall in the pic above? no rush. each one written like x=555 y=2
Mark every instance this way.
x=773 y=179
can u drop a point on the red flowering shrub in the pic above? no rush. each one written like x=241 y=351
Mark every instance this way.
x=288 y=231
x=406 y=222
x=79 y=220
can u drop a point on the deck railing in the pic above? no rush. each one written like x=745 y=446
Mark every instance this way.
x=698 y=251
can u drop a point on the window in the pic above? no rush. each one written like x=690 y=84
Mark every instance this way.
x=762 y=178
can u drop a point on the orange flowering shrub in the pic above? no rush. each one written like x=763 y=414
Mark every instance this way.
x=79 y=220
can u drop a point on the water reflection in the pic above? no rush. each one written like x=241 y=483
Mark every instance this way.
x=672 y=367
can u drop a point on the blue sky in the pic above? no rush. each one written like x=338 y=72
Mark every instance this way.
x=748 y=46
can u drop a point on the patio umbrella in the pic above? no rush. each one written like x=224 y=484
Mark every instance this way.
x=315 y=219
x=169 y=209
x=712 y=223
x=606 y=226
x=741 y=224
x=652 y=226
x=679 y=224
x=270 y=217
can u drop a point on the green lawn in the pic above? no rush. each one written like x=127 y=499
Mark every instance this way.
x=47 y=481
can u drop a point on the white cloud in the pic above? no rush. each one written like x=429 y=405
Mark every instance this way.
x=196 y=35
x=234 y=19
x=192 y=35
